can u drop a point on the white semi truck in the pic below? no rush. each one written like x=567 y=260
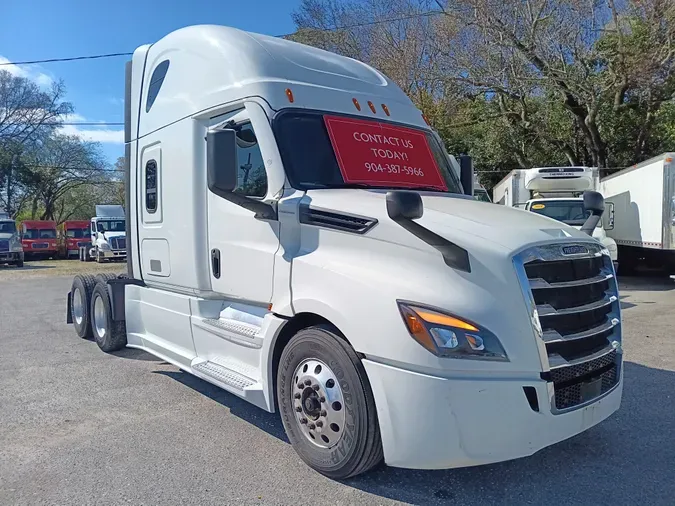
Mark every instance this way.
x=11 y=250
x=108 y=235
x=296 y=237
x=556 y=192
x=644 y=213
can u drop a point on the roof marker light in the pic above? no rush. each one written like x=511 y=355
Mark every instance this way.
x=356 y=104
x=424 y=116
x=289 y=94
x=386 y=109
x=372 y=107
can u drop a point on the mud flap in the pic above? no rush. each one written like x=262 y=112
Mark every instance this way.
x=69 y=315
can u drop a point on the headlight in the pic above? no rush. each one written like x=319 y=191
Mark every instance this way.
x=15 y=243
x=104 y=246
x=448 y=336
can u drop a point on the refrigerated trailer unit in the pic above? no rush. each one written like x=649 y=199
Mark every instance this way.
x=511 y=190
x=297 y=237
x=644 y=212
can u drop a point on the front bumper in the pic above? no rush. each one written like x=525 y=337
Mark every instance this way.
x=428 y=422
x=11 y=256
x=114 y=253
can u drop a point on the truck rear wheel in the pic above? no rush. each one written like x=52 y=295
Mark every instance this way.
x=326 y=404
x=80 y=292
x=104 y=277
x=109 y=334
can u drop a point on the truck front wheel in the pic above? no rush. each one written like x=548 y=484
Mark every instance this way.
x=326 y=404
x=109 y=334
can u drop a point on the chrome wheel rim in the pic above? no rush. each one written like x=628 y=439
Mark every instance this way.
x=78 y=306
x=99 y=317
x=318 y=403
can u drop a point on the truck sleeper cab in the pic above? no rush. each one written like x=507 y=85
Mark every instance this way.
x=297 y=237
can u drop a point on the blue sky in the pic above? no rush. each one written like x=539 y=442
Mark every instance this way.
x=41 y=29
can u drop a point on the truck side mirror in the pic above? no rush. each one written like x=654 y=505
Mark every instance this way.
x=404 y=205
x=221 y=161
x=466 y=174
x=595 y=203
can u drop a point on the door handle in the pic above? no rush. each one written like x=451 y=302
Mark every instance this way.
x=215 y=263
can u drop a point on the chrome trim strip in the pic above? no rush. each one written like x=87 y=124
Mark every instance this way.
x=553 y=336
x=558 y=362
x=548 y=310
x=536 y=283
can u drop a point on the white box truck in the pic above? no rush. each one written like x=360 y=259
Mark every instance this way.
x=297 y=237
x=511 y=191
x=556 y=192
x=644 y=213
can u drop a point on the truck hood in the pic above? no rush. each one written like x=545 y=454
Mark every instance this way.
x=110 y=235
x=5 y=235
x=464 y=221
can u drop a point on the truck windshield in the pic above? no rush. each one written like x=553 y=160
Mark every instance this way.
x=481 y=195
x=360 y=153
x=110 y=225
x=7 y=227
x=39 y=233
x=571 y=212
x=77 y=233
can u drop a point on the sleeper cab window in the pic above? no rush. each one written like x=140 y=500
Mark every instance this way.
x=151 y=186
x=156 y=81
x=251 y=176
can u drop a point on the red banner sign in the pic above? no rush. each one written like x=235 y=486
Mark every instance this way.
x=379 y=154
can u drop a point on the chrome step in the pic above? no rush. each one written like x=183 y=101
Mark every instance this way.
x=224 y=375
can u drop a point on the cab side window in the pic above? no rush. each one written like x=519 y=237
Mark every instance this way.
x=251 y=177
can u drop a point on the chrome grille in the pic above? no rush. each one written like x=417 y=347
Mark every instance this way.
x=574 y=304
x=118 y=243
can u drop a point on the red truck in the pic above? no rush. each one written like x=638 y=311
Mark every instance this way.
x=72 y=235
x=38 y=238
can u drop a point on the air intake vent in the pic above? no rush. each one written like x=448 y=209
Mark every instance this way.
x=336 y=221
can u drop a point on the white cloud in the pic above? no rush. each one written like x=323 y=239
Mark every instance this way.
x=116 y=101
x=29 y=71
x=93 y=134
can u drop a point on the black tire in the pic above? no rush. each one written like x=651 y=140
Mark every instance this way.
x=83 y=286
x=113 y=335
x=19 y=263
x=354 y=453
x=104 y=277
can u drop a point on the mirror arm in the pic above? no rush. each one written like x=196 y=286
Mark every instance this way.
x=590 y=224
x=262 y=210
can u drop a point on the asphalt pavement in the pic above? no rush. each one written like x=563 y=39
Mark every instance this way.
x=78 y=426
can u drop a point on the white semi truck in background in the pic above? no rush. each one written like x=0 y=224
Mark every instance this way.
x=108 y=235
x=643 y=197
x=556 y=192
x=297 y=237
x=11 y=249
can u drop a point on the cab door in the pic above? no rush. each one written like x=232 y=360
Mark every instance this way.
x=242 y=248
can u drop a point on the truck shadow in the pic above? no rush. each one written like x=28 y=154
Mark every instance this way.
x=268 y=422
x=646 y=282
x=611 y=463
x=26 y=267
